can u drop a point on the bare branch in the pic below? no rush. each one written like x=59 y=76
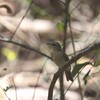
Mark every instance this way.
x=77 y=6
x=51 y=88
x=21 y=20
x=39 y=78
x=66 y=23
x=24 y=46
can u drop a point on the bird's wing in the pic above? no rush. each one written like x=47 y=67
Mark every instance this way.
x=66 y=59
x=65 y=56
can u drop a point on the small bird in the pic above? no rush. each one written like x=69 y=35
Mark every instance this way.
x=60 y=58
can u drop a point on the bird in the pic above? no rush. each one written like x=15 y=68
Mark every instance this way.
x=60 y=58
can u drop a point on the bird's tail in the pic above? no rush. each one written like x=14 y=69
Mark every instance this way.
x=68 y=75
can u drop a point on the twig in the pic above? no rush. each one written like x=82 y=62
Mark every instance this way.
x=51 y=88
x=39 y=78
x=73 y=45
x=15 y=88
x=80 y=88
x=5 y=93
x=77 y=6
x=21 y=20
x=65 y=23
x=71 y=34
x=24 y=46
x=62 y=96
x=61 y=80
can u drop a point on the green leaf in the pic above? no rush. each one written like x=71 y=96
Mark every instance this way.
x=97 y=62
x=60 y=26
x=77 y=68
x=96 y=51
x=85 y=77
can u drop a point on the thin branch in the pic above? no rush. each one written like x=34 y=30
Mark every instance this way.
x=77 y=6
x=71 y=34
x=5 y=93
x=21 y=20
x=80 y=88
x=24 y=46
x=65 y=23
x=15 y=88
x=73 y=45
x=67 y=3
x=51 y=88
x=61 y=80
x=72 y=39
x=39 y=78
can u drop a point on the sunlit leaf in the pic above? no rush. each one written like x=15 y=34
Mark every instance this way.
x=10 y=55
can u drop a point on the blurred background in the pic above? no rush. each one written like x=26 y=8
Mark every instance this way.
x=27 y=73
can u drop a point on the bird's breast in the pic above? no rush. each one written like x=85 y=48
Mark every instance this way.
x=58 y=58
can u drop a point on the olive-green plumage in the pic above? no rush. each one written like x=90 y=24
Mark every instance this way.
x=60 y=58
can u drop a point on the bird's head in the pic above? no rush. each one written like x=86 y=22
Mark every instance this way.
x=54 y=45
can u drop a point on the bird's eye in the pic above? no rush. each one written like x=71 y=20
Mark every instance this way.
x=54 y=44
